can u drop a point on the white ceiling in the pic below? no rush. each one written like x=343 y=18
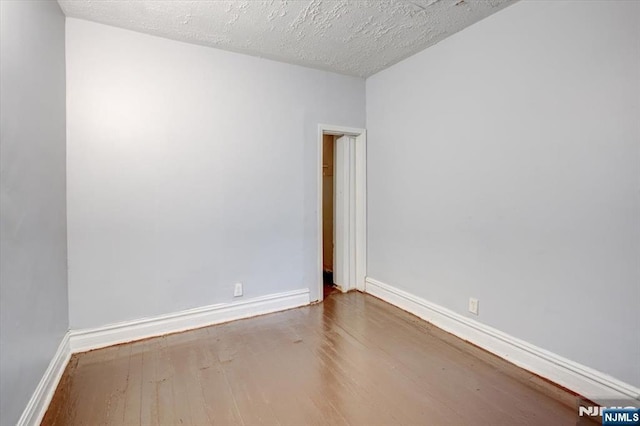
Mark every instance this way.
x=350 y=37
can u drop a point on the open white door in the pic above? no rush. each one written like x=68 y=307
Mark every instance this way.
x=350 y=208
x=344 y=271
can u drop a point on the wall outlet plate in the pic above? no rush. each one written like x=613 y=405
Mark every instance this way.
x=237 y=290
x=473 y=305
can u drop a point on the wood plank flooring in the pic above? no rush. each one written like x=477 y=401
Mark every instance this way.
x=351 y=360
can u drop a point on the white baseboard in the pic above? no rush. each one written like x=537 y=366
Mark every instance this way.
x=585 y=381
x=39 y=402
x=113 y=334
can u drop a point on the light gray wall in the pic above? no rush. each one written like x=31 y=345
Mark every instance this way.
x=33 y=252
x=504 y=164
x=190 y=169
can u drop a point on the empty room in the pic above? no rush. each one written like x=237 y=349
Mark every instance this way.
x=314 y=212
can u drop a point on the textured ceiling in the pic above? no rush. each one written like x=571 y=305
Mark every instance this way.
x=351 y=37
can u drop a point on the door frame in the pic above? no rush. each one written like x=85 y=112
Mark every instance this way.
x=358 y=232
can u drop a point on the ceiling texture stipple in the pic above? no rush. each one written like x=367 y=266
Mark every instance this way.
x=352 y=37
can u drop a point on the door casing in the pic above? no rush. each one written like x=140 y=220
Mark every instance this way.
x=351 y=219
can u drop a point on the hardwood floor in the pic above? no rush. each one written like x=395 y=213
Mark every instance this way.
x=352 y=360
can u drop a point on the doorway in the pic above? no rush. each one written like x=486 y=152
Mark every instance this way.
x=341 y=209
x=328 y=205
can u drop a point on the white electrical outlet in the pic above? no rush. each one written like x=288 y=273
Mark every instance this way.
x=237 y=291
x=473 y=305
